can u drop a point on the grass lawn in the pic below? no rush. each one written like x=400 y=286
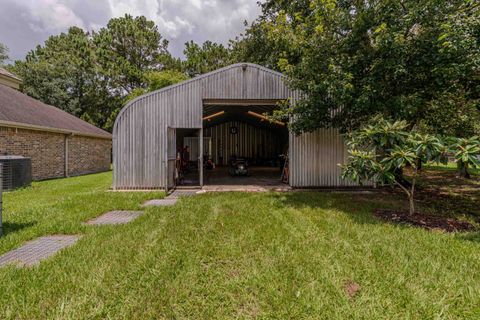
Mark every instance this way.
x=440 y=192
x=451 y=166
x=233 y=255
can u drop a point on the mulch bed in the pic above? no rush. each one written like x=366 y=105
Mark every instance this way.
x=430 y=222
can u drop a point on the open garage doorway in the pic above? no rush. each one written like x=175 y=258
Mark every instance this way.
x=188 y=159
x=241 y=146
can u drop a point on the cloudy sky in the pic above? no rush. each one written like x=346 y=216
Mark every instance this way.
x=26 y=23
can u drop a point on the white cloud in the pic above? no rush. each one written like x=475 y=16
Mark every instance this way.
x=218 y=20
x=26 y=23
x=51 y=15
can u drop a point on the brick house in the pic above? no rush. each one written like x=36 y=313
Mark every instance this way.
x=59 y=144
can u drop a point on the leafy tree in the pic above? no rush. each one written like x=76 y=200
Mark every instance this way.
x=63 y=73
x=202 y=59
x=3 y=53
x=157 y=80
x=429 y=148
x=451 y=115
x=127 y=48
x=355 y=59
x=378 y=151
x=467 y=154
x=89 y=74
x=255 y=46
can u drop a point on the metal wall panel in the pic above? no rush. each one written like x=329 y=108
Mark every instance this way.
x=194 y=144
x=140 y=153
x=223 y=85
x=249 y=142
x=185 y=103
x=315 y=159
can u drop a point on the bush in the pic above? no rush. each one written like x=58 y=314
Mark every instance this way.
x=379 y=151
x=466 y=153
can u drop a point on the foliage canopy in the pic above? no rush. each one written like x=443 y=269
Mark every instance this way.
x=157 y=80
x=89 y=74
x=3 y=53
x=379 y=151
x=205 y=58
x=412 y=60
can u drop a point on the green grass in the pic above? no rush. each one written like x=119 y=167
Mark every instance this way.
x=451 y=166
x=232 y=255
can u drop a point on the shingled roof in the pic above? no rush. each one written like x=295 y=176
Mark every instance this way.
x=9 y=74
x=20 y=110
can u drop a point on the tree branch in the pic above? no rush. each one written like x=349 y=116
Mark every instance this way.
x=414 y=179
x=403 y=188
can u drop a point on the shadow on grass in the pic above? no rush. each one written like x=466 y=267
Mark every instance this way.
x=445 y=194
x=9 y=227
x=472 y=236
x=358 y=206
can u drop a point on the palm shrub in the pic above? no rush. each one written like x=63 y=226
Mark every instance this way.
x=379 y=151
x=466 y=152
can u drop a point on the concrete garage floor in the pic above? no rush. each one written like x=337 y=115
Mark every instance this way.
x=260 y=179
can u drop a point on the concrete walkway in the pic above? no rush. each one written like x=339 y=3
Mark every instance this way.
x=115 y=217
x=172 y=198
x=160 y=202
x=32 y=252
x=246 y=188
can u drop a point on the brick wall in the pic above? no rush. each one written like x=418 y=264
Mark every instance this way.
x=88 y=155
x=47 y=151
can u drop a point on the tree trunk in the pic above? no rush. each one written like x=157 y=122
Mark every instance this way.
x=412 y=192
x=462 y=170
x=409 y=194
x=411 y=205
x=399 y=177
x=419 y=164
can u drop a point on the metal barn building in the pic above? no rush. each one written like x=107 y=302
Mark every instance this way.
x=217 y=116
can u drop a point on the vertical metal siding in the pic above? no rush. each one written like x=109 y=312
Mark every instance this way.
x=249 y=142
x=140 y=154
x=315 y=159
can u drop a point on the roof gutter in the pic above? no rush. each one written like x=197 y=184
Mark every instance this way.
x=18 y=125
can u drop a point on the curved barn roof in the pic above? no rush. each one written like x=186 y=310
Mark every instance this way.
x=144 y=134
x=140 y=133
x=242 y=81
x=19 y=110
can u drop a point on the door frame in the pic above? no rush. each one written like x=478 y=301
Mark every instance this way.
x=169 y=159
x=200 y=155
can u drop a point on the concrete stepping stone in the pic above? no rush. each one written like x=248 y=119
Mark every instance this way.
x=32 y=252
x=115 y=217
x=182 y=193
x=160 y=202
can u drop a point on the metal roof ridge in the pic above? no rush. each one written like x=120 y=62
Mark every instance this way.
x=197 y=78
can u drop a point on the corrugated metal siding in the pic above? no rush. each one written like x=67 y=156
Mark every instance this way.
x=249 y=142
x=185 y=105
x=253 y=83
x=194 y=144
x=315 y=159
x=224 y=85
x=140 y=132
x=143 y=166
